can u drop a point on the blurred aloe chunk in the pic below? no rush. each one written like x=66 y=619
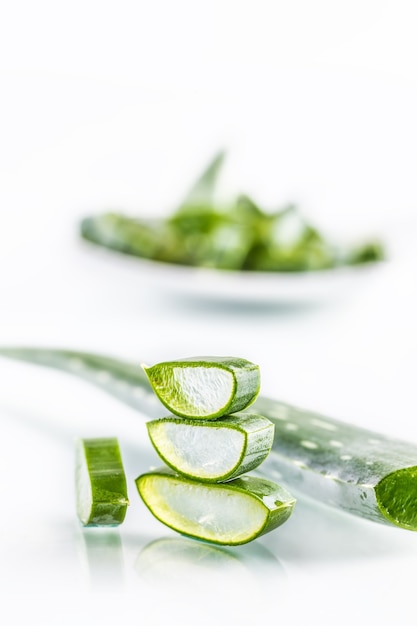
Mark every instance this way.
x=366 y=253
x=238 y=235
x=286 y=242
x=204 y=188
x=150 y=239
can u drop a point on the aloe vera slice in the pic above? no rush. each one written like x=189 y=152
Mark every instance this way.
x=359 y=471
x=213 y=450
x=229 y=513
x=101 y=489
x=205 y=387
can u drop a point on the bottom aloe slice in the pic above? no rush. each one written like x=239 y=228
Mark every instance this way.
x=229 y=513
x=101 y=490
x=213 y=450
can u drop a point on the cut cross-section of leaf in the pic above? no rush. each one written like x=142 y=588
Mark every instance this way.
x=101 y=489
x=205 y=387
x=213 y=450
x=230 y=513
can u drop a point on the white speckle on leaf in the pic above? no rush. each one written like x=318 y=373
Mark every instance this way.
x=103 y=377
x=336 y=444
x=280 y=413
x=309 y=444
x=121 y=385
x=323 y=424
x=76 y=364
x=291 y=426
x=345 y=457
x=299 y=463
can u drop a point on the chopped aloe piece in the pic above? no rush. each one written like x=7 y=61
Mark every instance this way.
x=357 y=470
x=237 y=235
x=101 y=489
x=204 y=187
x=368 y=252
x=147 y=238
x=208 y=239
x=213 y=450
x=205 y=387
x=229 y=513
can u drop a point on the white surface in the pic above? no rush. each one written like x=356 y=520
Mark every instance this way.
x=119 y=106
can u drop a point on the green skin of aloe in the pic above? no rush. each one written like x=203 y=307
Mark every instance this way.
x=351 y=468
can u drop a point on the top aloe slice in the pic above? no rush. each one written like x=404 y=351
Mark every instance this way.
x=205 y=387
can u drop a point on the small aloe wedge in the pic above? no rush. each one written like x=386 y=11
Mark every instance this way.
x=101 y=489
x=205 y=387
x=213 y=450
x=230 y=513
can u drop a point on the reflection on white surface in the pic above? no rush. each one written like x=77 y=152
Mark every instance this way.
x=101 y=558
x=173 y=562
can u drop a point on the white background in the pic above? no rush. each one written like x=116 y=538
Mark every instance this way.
x=119 y=105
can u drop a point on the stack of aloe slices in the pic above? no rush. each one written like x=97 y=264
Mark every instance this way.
x=208 y=447
x=359 y=471
x=207 y=444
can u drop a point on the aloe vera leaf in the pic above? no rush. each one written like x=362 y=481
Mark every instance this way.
x=346 y=466
x=121 y=379
x=230 y=513
x=354 y=469
x=101 y=490
x=213 y=450
x=205 y=387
